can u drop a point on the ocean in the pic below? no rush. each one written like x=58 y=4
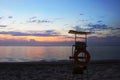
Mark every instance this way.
x=54 y=53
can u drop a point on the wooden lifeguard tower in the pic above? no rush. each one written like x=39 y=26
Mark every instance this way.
x=80 y=55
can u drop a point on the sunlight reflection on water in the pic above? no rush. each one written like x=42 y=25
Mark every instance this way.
x=53 y=53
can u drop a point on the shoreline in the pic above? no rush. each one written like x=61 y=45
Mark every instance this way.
x=62 y=62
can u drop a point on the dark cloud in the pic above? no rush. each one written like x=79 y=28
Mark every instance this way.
x=47 y=33
x=113 y=28
x=117 y=28
x=44 y=21
x=33 y=17
x=10 y=17
x=1 y=17
x=14 y=33
x=99 y=21
x=33 y=21
x=52 y=32
x=104 y=41
x=44 y=33
x=19 y=34
x=38 y=21
x=81 y=14
x=3 y=25
x=94 y=27
x=77 y=28
x=98 y=26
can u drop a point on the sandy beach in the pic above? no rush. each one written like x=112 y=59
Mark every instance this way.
x=97 y=70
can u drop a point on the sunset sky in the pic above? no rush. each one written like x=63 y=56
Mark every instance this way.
x=44 y=22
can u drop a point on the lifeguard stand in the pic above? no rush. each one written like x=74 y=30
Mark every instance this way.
x=80 y=55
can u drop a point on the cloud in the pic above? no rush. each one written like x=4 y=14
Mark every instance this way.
x=80 y=28
x=41 y=33
x=77 y=28
x=32 y=42
x=38 y=21
x=33 y=21
x=112 y=28
x=93 y=27
x=3 y=25
x=53 y=32
x=33 y=17
x=104 y=41
x=44 y=21
x=97 y=26
x=99 y=21
x=81 y=14
x=46 y=33
x=10 y=17
x=100 y=27
x=1 y=17
x=117 y=28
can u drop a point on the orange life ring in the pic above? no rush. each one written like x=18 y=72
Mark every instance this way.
x=86 y=57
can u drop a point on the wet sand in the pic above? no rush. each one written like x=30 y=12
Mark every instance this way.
x=62 y=70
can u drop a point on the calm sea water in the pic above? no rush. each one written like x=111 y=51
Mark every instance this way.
x=53 y=53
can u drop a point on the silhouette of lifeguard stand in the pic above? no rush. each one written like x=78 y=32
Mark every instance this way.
x=80 y=55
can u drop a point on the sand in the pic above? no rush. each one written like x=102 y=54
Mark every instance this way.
x=62 y=70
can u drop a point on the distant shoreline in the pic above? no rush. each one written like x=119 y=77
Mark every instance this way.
x=61 y=45
x=35 y=45
x=62 y=62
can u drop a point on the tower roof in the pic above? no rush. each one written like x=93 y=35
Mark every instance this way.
x=78 y=32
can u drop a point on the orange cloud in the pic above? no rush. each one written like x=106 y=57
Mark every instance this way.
x=36 y=38
x=48 y=38
x=7 y=36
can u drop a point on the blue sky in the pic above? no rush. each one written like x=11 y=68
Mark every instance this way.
x=50 y=20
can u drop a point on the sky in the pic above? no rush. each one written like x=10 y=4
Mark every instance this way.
x=47 y=22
